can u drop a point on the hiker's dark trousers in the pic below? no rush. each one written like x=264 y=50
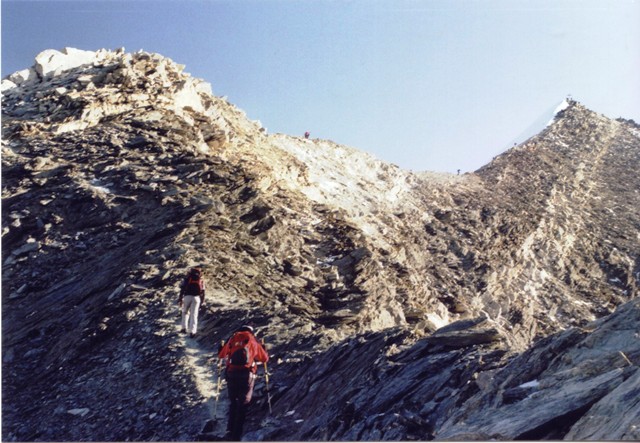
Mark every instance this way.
x=240 y=385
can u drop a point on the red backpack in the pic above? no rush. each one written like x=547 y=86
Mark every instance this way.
x=195 y=285
x=240 y=355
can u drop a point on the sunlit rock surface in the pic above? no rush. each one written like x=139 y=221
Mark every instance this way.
x=395 y=305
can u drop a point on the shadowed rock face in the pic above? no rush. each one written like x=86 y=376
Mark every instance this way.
x=579 y=384
x=395 y=305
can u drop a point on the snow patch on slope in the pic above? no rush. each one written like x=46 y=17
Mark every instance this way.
x=561 y=107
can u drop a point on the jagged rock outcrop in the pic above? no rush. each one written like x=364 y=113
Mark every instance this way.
x=395 y=305
x=572 y=375
x=578 y=384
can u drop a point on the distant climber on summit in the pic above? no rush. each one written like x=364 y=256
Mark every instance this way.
x=306 y=134
x=191 y=298
x=241 y=351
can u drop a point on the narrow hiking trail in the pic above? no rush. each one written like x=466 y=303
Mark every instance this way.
x=204 y=367
x=209 y=381
x=199 y=361
x=203 y=364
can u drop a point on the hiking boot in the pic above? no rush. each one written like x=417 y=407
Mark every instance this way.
x=183 y=331
x=192 y=335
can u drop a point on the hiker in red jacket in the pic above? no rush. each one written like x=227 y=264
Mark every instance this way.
x=241 y=351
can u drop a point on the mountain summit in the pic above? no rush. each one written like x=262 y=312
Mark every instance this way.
x=500 y=304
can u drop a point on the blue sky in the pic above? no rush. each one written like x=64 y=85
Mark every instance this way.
x=425 y=84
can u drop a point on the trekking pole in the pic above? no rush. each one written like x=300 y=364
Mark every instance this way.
x=220 y=360
x=266 y=379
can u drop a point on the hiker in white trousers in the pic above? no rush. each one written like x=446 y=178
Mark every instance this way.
x=191 y=298
x=190 y=307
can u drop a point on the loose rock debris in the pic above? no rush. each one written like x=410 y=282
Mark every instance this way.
x=395 y=305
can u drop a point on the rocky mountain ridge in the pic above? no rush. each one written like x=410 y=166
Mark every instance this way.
x=390 y=301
